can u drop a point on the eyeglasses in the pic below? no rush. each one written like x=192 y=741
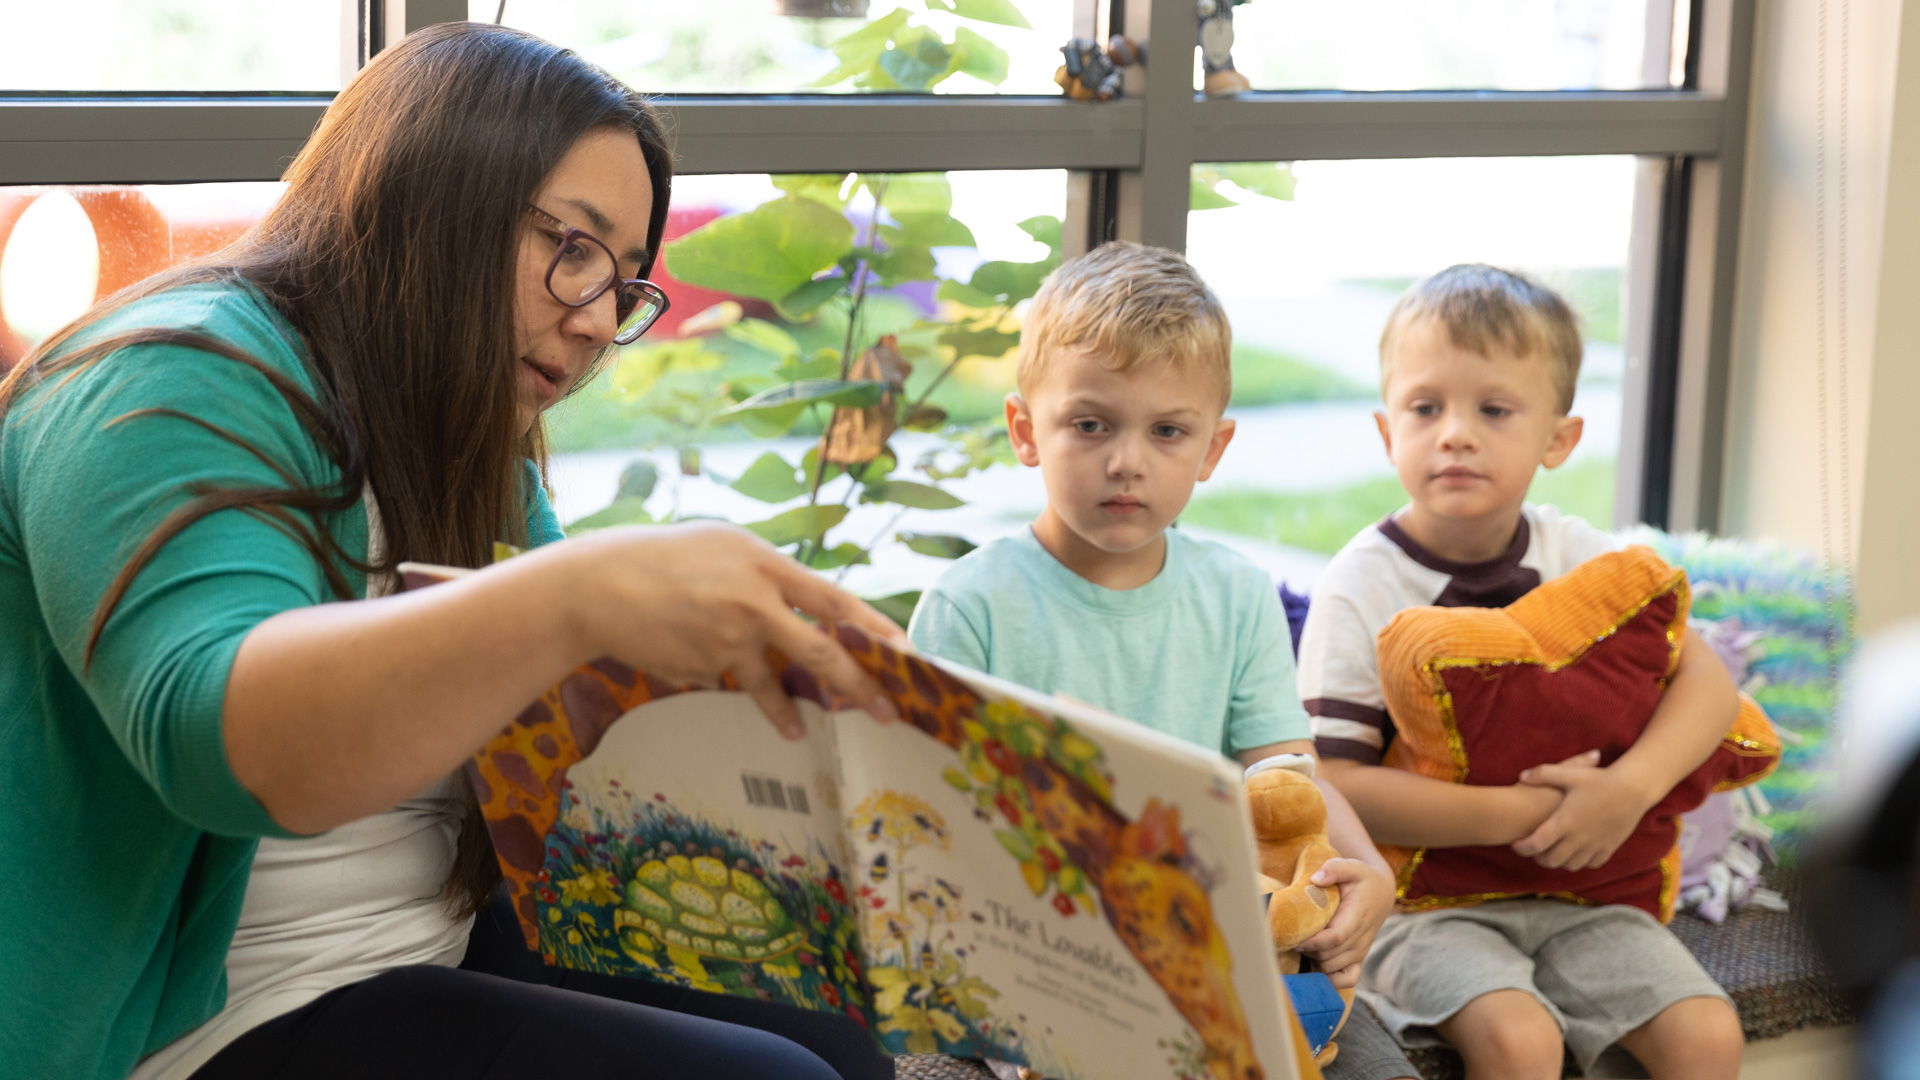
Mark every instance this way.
x=583 y=267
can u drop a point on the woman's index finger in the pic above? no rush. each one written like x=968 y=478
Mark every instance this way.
x=816 y=649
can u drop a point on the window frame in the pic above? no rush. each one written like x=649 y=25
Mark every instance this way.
x=1130 y=162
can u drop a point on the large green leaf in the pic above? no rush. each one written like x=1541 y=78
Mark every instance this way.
x=622 y=512
x=918 y=60
x=1045 y=228
x=991 y=11
x=935 y=228
x=769 y=479
x=772 y=412
x=962 y=293
x=640 y=366
x=823 y=364
x=847 y=554
x=908 y=493
x=854 y=393
x=938 y=545
x=859 y=51
x=899 y=265
x=1010 y=282
x=797 y=524
x=911 y=193
x=811 y=462
x=763 y=335
x=988 y=342
x=765 y=253
x=898 y=607
x=978 y=57
x=799 y=303
x=823 y=188
x=638 y=480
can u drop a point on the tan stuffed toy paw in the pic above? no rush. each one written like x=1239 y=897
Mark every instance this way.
x=1290 y=830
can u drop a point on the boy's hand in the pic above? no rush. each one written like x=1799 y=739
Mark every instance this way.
x=1599 y=810
x=1366 y=899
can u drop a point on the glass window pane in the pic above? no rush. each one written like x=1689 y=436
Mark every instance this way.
x=956 y=255
x=825 y=46
x=173 y=45
x=1453 y=44
x=62 y=248
x=1308 y=282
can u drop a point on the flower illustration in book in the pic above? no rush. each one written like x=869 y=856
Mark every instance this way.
x=998 y=739
x=925 y=999
x=1048 y=790
x=634 y=886
x=1187 y=1056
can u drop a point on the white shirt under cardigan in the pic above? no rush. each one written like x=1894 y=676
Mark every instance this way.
x=1382 y=572
x=327 y=911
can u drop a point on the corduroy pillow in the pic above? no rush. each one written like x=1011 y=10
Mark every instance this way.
x=1479 y=695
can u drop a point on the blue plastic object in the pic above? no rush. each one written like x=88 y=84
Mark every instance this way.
x=1318 y=1005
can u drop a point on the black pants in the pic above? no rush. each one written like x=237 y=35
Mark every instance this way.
x=503 y=1014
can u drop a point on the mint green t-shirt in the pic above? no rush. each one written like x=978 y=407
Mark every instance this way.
x=127 y=839
x=1201 y=652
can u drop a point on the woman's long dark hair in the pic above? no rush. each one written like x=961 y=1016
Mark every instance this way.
x=394 y=254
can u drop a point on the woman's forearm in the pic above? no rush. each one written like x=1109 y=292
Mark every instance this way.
x=1402 y=808
x=337 y=711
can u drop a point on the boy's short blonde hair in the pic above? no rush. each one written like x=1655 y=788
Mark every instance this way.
x=1131 y=305
x=1484 y=306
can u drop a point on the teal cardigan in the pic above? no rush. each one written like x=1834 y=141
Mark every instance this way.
x=127 y=841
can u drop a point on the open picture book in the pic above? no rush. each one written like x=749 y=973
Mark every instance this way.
x=1000 y=874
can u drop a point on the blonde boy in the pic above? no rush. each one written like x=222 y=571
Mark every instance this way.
x=1477 y=369
x=1124 y=374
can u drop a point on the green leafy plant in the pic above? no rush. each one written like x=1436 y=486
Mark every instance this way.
x=821 y=262
x=899 y=52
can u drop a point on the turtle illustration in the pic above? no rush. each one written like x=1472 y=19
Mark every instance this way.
x=701 y=905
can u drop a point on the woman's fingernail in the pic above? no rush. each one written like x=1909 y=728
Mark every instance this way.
x=884 y=710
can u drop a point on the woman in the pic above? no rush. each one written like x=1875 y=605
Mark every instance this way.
x=192 y=472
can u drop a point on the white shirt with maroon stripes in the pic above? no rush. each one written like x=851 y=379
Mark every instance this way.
x=1382 y=572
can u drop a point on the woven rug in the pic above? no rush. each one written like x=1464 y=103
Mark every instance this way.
x=938 y=1067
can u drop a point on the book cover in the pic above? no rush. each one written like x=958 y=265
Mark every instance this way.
x=1002 y=874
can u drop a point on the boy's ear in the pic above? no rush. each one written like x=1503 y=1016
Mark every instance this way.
x=1222 y=435
x=1020 y=430
x=1566 y=436
x=1386 y=431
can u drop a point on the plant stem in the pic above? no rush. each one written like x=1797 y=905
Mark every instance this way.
x=937 y=380
x=860 y=271
x=891 y=522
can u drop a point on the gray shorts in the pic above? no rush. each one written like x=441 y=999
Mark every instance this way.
x=1600 y=971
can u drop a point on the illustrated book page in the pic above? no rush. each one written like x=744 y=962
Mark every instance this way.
x=1001 y=874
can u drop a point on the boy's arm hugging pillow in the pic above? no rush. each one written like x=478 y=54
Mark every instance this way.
x=1479 y=695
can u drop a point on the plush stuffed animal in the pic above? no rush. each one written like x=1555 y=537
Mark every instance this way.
x=1290 y=832
x=1290 y=829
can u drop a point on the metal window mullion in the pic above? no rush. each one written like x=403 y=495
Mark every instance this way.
x=1154 y=136
x=1153 y=196
x=1296 y=126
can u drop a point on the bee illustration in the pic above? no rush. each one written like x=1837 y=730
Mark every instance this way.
x=878 y=872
